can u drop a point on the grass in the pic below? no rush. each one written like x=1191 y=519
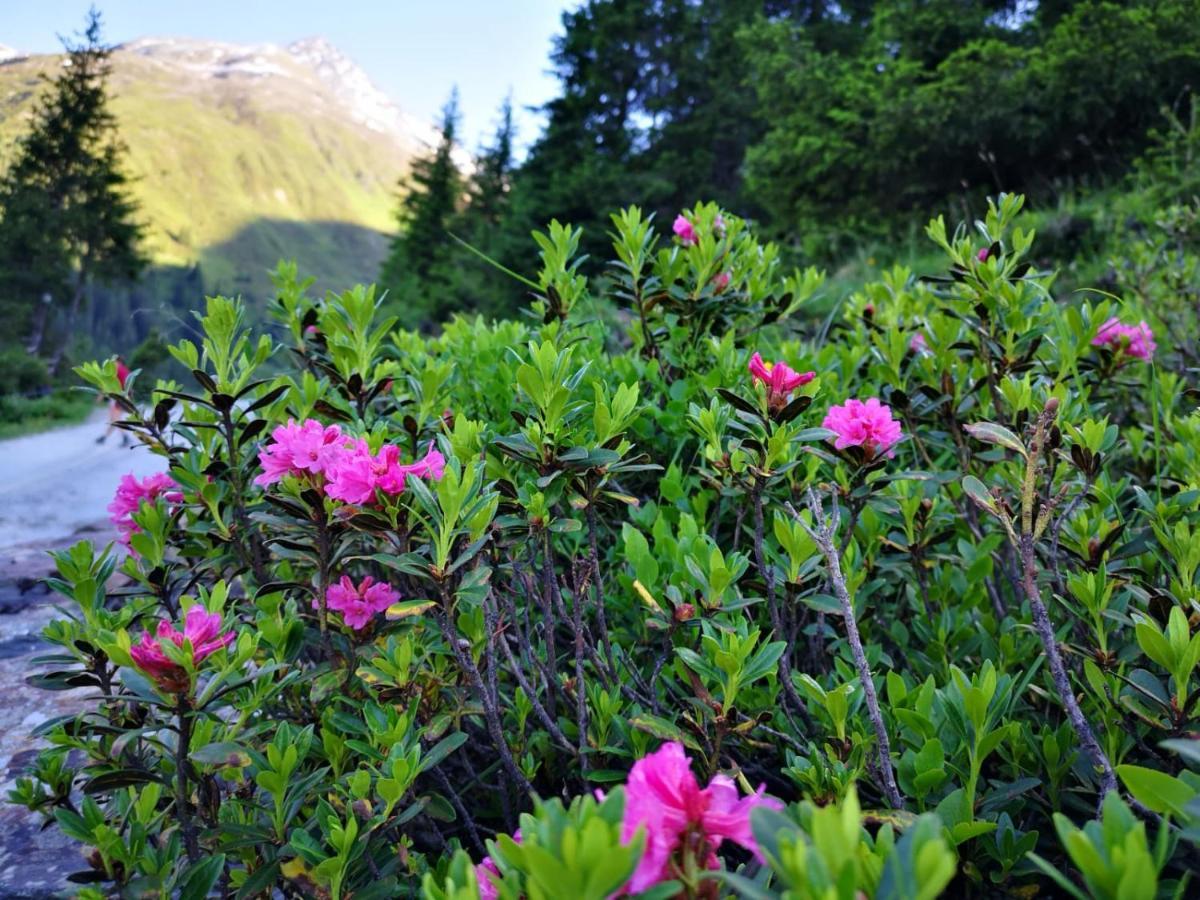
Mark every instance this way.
x=30 y=415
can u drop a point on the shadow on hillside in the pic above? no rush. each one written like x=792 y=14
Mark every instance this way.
x=337 y=254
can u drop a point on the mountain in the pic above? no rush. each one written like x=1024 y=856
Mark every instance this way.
x=244 y=154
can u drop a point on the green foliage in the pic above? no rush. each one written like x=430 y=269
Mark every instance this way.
x=969 y=637
x=958 y=98
x=827 y=854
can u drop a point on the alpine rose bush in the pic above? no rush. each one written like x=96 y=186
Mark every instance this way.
x=535 y=609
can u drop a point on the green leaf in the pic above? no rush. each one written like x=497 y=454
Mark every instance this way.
x=222 y=753
x=1156 y=790
x=978 y=492
x=991 y=433
x=199 y=880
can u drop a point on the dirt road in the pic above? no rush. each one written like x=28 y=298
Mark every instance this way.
x=57 y=482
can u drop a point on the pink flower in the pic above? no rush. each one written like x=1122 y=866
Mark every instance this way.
x=1136 y=341
x=487 y=874
x=779 y=378
x=868 y=425
x=355 y=473
x=130 y=494
x=201 y=629
x=663 y=796
x=721 y=281
x=918 y=344
x=983 y=254
x=685 y=231
x=296 y=449
x=358 y=605
x=719 y=225
x=354 y=477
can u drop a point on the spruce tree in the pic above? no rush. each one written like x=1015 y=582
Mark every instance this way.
x=416 y=269
x=479 y=286
x=66 y=217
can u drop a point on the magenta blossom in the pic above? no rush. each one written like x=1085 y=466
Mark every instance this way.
x=130 y=494
x=918 y=344
x=868 y=425
x=201 y=629
x=487 y=873
x=983 y=254
x=358 y=605
x=354 y=477
x=721 y=281
x=355 y=472
x=663 y=797
x=309 y=447
x=685 y=231
x=780 y=380
x=1136 y=341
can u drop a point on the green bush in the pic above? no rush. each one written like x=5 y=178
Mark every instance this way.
x=21 y=372
x=736 y=603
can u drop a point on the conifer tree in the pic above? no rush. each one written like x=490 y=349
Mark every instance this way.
x=415 y=271
x=481 y=287
x=66 y=217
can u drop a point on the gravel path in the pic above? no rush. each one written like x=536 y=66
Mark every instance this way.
x=54 y=488
x=54 y=483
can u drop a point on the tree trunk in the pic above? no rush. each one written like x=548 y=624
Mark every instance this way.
x=81 y=284
x=41 y=312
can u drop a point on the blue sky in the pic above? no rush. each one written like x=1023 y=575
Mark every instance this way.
x=415 y=50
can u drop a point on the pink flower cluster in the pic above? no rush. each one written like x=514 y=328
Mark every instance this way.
x=346 y=467
x=130 y=494
x=358 y=605
x=917 y=343
x=779 y=379
x=487 y=873
x=201 y=629
x=358 y=472
x=663 y=796
x=687 y=232
x=868 y=425
x=1136 y=341
x=309 y=447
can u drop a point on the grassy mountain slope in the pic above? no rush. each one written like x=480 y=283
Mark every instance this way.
x=243 y=154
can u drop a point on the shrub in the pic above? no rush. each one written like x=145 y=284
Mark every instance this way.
x=22 y=372
x=510 y=612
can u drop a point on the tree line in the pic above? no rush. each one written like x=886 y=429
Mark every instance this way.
x=827 y=123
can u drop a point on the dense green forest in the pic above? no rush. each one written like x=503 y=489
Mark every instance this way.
x=828 y=124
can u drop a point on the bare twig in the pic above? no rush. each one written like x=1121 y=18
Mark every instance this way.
x=824 y=535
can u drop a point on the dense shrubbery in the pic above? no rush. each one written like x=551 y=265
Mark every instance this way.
x=921 y=620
